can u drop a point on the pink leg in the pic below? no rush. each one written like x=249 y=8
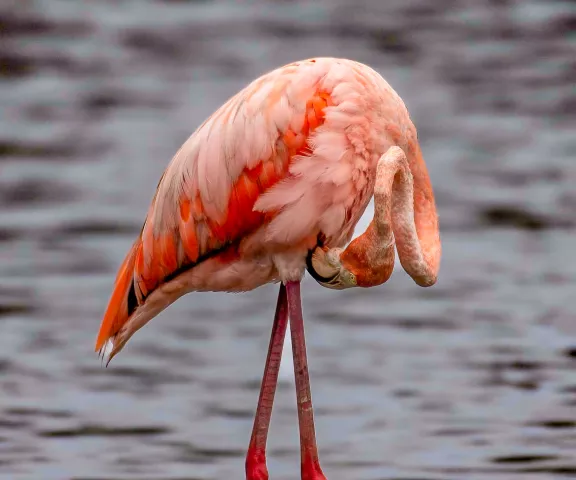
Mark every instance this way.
x=256 y=457
x=308 y=451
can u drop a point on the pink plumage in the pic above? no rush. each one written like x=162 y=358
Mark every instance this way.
x=275 y=180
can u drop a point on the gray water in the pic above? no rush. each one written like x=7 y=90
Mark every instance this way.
x=474 y=378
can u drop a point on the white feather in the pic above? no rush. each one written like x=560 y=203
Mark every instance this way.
x=107 y=350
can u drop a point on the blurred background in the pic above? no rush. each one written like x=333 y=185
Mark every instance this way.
x=472 y=379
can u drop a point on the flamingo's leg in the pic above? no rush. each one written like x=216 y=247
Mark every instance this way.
x=256 y=457
x=308 y=451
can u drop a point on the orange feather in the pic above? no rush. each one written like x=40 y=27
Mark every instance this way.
x=240 y=220
x=117 y=312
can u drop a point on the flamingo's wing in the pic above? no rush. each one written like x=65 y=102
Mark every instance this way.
x=205 y=199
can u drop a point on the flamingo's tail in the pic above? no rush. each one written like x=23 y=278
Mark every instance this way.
x=119 y=308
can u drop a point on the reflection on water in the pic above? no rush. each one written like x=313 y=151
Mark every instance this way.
x=472 y=379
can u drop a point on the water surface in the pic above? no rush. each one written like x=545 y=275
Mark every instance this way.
x=472 y=379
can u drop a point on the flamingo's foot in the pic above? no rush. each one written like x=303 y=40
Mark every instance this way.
x=256 y=465
x=311 y=470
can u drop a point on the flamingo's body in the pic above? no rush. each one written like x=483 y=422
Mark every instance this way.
x=283 y=169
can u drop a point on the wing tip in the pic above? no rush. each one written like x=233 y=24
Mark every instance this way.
x=117 y=313
x=105 y=353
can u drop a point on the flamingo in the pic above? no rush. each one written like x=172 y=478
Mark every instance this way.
x=269 y=186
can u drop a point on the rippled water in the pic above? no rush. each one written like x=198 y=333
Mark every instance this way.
x=472 y=379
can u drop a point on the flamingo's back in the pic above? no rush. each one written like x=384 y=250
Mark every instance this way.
x=294 y=151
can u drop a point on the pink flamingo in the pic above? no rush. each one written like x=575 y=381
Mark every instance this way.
x=271 y=184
